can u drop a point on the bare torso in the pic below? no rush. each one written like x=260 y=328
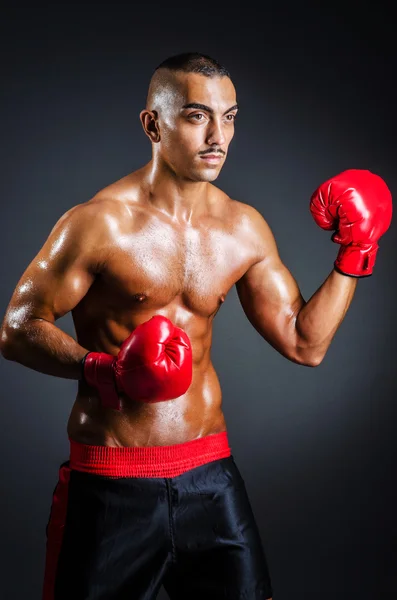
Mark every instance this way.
x=149 y=263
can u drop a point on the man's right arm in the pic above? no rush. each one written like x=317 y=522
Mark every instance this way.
x=52 y=285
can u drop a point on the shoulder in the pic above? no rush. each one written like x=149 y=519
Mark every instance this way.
x=84 y=234
x=248 y=215
x=251 y=224
x=248 y=227
x=237 y=211
x=91 y=216
x=108 y=207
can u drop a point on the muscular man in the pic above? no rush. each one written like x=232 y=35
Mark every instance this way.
x=151 y=493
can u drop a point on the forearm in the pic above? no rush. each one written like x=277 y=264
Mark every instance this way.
x=42 y=346
x=320 y=317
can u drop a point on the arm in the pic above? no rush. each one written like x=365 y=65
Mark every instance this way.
x=301 y=331
x=52 y=285
x=154 y=362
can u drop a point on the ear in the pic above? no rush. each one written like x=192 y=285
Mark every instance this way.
x=149 y=120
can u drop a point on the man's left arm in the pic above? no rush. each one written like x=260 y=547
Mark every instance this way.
x=301 y=331
x=357 y=205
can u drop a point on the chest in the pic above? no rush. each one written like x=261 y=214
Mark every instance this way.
x=194 y=266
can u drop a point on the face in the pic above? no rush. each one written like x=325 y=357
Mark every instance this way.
x=195 y=125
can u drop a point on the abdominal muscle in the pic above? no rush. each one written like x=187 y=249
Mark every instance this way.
x=195 y=414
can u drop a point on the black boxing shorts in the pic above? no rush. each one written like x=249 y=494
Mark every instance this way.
x=125 y=521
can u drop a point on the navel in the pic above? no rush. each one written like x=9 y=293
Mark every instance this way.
x=139 y=297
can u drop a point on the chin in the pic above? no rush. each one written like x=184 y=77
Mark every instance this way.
x=205 y=175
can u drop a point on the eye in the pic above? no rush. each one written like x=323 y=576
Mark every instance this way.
x=197 y=116
x=231 y=117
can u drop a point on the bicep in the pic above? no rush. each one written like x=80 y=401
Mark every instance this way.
x=56 y=279
x=271 y=300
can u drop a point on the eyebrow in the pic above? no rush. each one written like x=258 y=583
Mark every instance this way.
x=208 y=108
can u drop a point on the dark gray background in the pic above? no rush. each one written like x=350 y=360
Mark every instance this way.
x=316 y=447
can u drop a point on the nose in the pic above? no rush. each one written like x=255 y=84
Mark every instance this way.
x=216 y=136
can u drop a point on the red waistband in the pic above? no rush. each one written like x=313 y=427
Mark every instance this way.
x=148 y=461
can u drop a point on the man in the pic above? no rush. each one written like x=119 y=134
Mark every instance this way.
x=151 y=493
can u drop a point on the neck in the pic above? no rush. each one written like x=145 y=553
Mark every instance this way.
x=181 y=199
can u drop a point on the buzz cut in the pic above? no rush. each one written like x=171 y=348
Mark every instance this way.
x=194 y=62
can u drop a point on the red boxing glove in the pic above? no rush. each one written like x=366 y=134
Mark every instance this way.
x=154 y=364
x=357 y=204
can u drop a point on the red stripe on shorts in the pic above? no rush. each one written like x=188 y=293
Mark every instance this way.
x=55 y=529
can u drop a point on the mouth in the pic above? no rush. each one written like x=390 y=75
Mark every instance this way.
x=212 y=158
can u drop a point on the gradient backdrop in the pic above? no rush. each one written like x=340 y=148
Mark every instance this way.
x=316 y=447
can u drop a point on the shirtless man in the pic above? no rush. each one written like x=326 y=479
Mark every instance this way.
x=151 y=493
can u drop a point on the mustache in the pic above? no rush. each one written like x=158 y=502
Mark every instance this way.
x=212 y=151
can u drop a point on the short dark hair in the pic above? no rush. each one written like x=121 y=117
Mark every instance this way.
x=194 y=62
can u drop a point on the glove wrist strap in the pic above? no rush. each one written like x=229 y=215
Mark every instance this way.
x=99 y=373
x=356 y=260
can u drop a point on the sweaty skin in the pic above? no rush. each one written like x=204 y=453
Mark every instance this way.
x=165 y=240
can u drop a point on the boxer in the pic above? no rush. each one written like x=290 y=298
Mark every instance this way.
x=151 y=493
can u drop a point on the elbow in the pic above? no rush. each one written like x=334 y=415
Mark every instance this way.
x=308 y=357
x=7 y=343
x=313 y=361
